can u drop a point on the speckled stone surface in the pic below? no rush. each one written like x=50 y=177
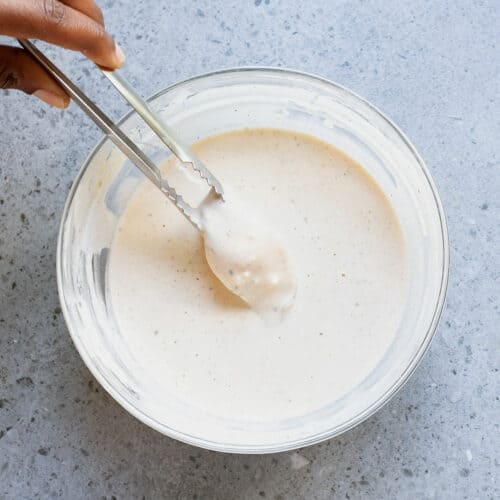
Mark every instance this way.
x=434 y=67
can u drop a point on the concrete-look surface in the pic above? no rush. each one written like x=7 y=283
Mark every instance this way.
x=433 y=67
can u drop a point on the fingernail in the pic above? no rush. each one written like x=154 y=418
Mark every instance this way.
x=119 y=55
x=51 y=98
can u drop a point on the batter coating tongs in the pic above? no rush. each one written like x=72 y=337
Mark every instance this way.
x=126 y=145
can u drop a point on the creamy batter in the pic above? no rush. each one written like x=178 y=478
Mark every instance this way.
x=201 y=344
x=248 y=257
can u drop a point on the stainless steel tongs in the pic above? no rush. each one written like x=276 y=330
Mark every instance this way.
x=126 y=145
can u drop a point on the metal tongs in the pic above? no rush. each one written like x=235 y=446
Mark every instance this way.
x=126 y=145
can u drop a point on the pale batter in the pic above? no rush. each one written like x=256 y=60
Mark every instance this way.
x=249 y=258
x=200 y=344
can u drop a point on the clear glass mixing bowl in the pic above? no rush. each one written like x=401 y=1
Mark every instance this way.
x=215 y=103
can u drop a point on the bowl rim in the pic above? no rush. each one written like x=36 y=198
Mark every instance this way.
x=298 y=443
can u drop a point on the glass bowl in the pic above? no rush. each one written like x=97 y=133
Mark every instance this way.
x=215 y=103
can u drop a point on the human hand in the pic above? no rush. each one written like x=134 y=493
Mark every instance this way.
x=73 y=24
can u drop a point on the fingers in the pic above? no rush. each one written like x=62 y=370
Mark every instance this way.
x=59 y=23
x=87 y=7
x=19 y=71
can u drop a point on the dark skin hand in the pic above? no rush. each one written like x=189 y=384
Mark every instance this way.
x=73 y=24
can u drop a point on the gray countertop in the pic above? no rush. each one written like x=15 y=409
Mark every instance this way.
x=433 y=67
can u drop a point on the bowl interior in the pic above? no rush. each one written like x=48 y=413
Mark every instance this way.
x=217 y=103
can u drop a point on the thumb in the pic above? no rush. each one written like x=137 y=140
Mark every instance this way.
x=19 y=71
